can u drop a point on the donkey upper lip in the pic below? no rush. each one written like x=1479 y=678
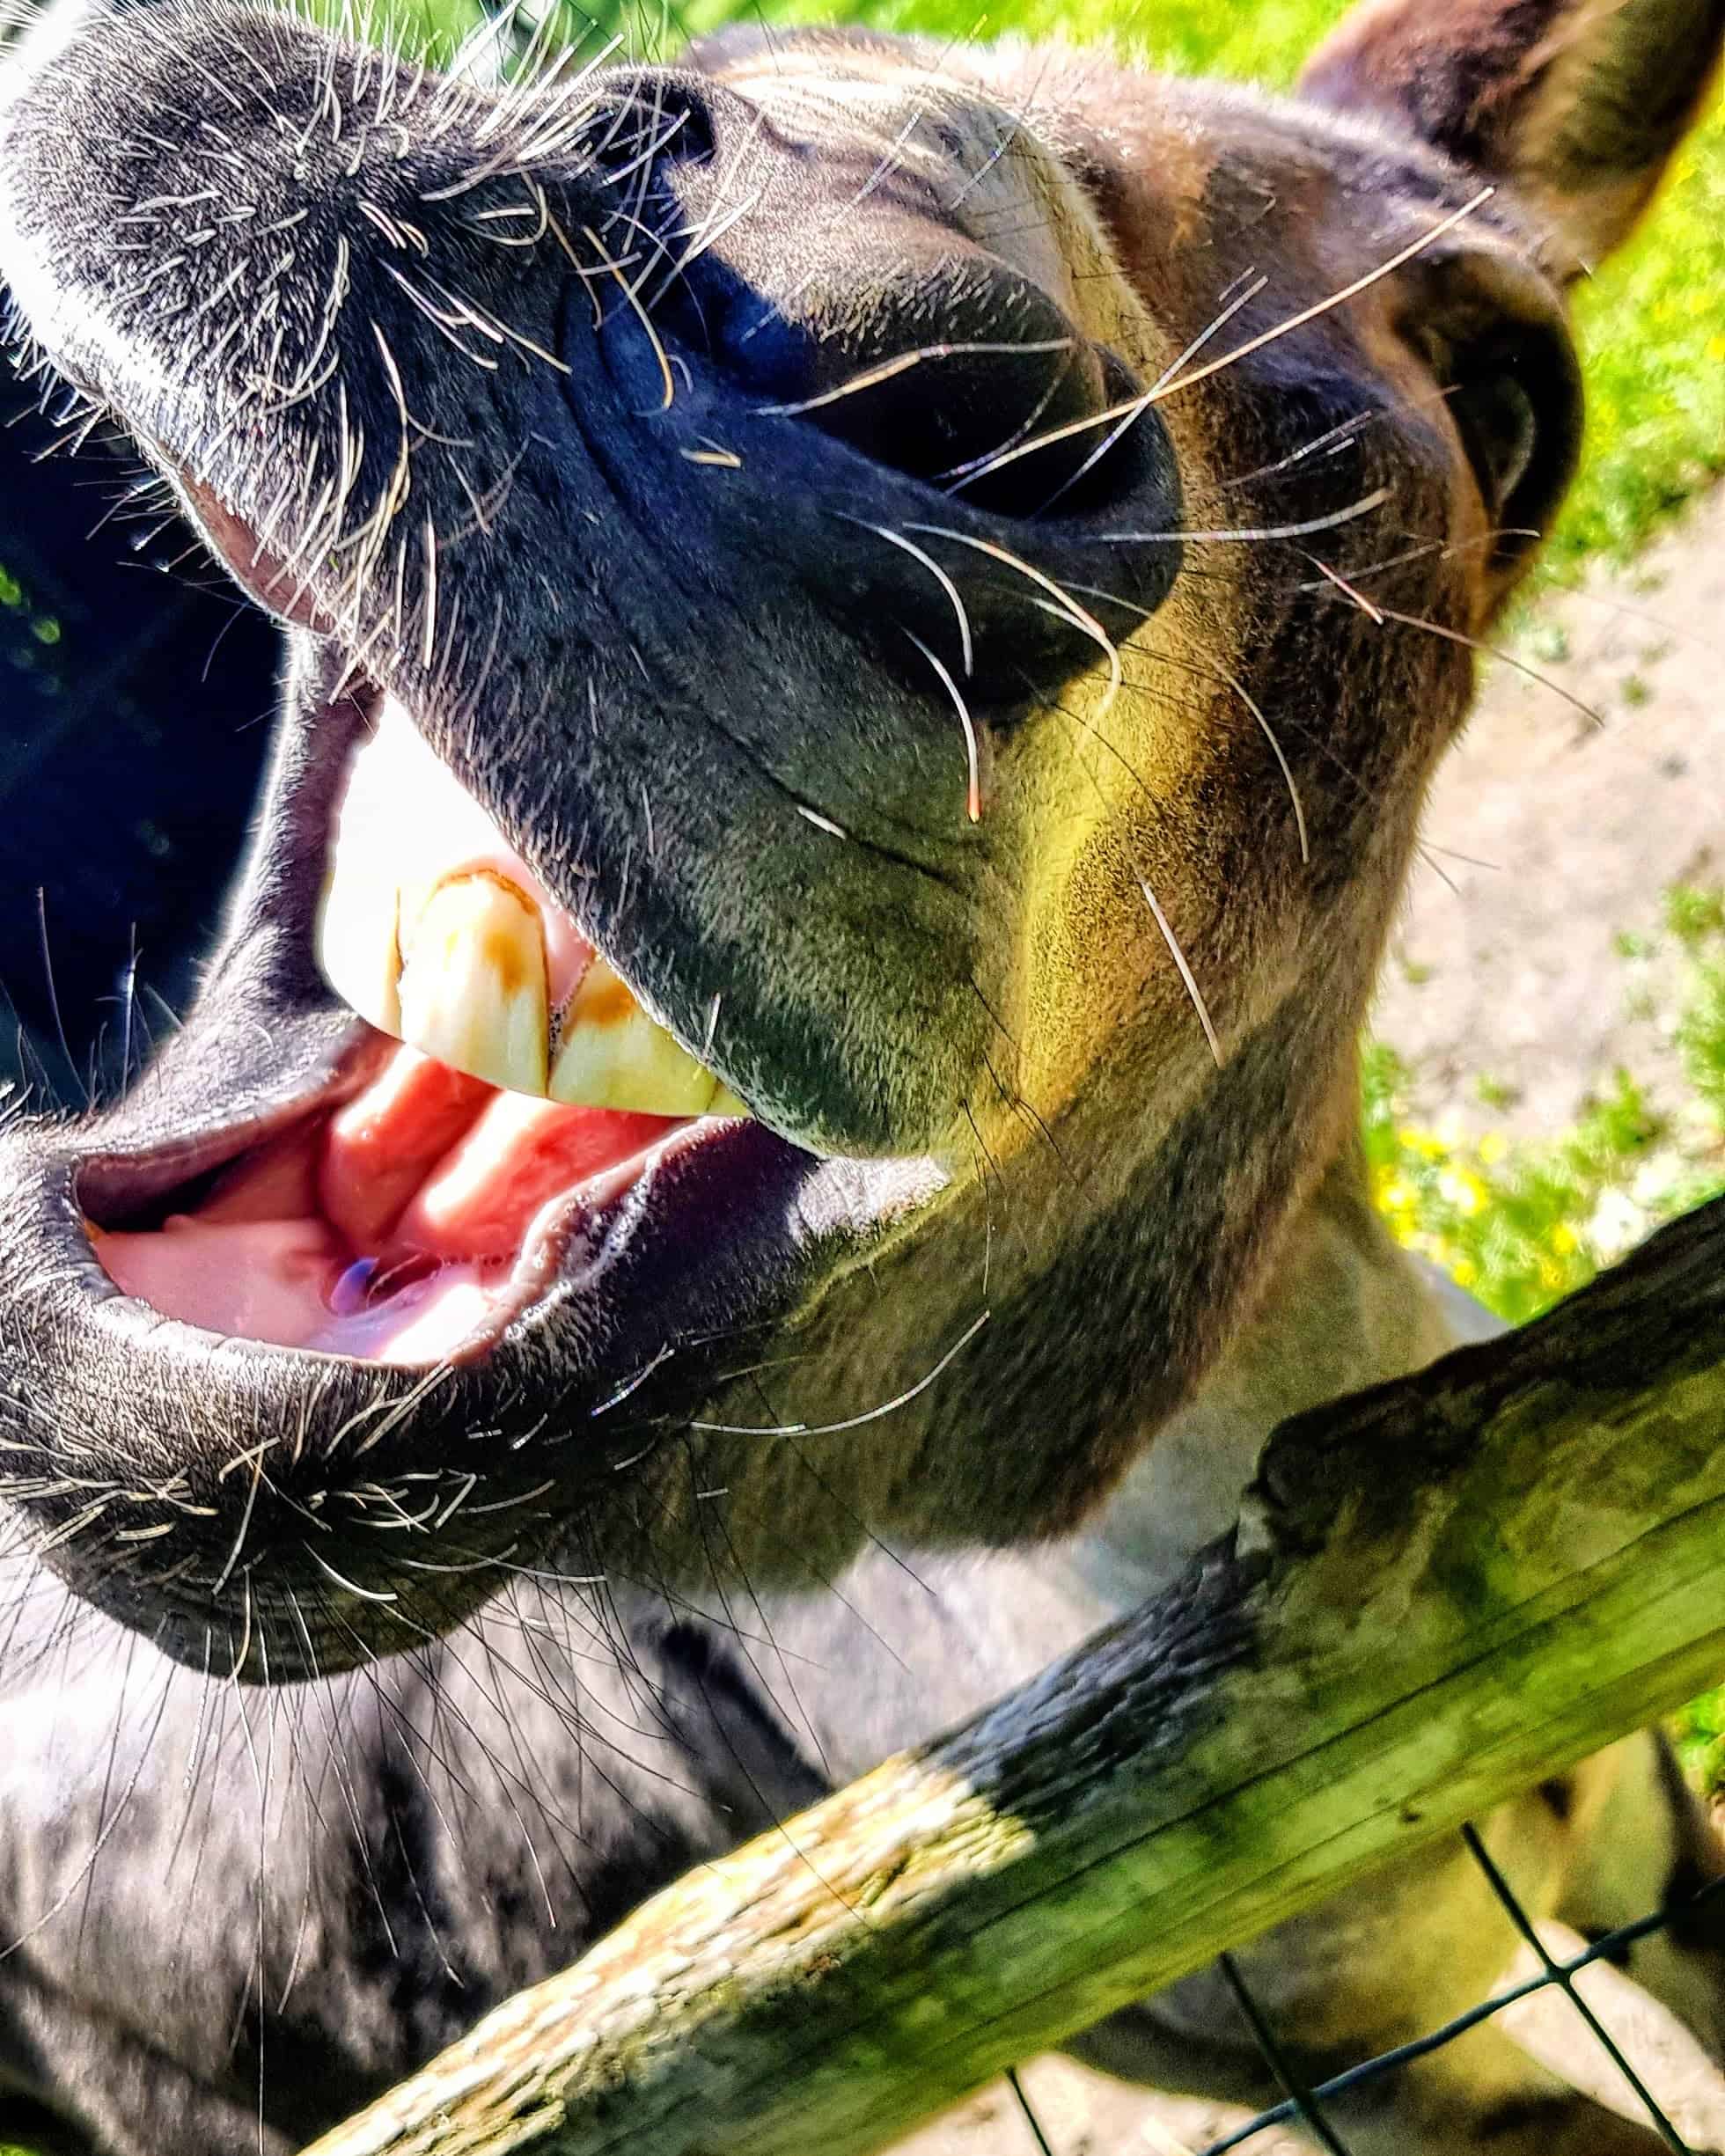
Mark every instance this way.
x=260 y=572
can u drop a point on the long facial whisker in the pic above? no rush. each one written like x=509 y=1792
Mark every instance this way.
x=1334 y=577
x=1399 y=260
x=1130 y=407
x=1358 y=787
x=966 y=646
x=1079 y=616
x=853 y=1422
x=1184 y=966
x=640 y=168
x=1593 y=717
x=1333 y=439
x=972 y=758
x=1231 y=681
x=1423 y=551
x=1243 y=299
x=901 y=363
x=707 y=234
x=1254 y=535
x=1128 y=415
x=724 y=213
x=642 y=315
x=1188 y=978
x=957 y=477
x=1250 y=287
x=53 y=995
x=711 y=1514
x=104 y=1833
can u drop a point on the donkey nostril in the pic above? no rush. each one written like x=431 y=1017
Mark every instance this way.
x=967 y=376
x=1065 y=457
x=648 y=119
x=987 y=421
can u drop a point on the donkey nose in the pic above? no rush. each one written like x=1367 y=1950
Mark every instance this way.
x=843 y=290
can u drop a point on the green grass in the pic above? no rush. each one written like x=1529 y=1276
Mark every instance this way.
x=1521 y=1223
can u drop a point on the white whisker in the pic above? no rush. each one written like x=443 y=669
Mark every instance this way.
x=851 y=1422
x=973 y=791
x=1187 y=973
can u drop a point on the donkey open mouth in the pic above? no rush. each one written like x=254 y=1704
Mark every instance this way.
x=686 y=821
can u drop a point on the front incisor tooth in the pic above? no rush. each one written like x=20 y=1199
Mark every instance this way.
x=472 y=989
x=357 y=949
x=613 y=1056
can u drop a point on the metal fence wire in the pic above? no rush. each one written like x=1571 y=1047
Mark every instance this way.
x=1310 y=2108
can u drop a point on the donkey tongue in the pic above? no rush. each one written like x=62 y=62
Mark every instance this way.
x=521 y=1154
x=428 y=1163
x=383 y=1145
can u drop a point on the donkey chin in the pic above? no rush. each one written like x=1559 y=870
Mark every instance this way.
x=866 y=629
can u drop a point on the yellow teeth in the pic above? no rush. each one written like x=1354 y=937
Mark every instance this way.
x=359 y=949
x=473 y=987
x=436 y=931
x=613 y=1056
x=462 y=977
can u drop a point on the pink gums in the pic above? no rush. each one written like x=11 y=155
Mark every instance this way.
x=390 y=1228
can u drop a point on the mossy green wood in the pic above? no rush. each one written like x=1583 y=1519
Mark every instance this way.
x=1441 y=1592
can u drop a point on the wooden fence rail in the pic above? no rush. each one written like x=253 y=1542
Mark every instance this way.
x=1441 y=1592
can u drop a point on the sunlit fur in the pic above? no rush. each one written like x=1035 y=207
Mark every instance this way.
x=1028 y=866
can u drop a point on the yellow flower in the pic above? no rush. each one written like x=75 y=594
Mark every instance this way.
x=1464 y=1192
x=1563 y=1239
x=1463 y=1272
x=1493 y=1146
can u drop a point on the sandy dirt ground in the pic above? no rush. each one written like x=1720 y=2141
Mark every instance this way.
x=1550 y=836
x=1082 y=2114
x=1550 y=832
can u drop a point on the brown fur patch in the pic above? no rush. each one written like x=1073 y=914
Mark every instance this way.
x=1575 y=103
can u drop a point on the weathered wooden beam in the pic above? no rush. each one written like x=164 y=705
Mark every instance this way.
x=1441 y=1591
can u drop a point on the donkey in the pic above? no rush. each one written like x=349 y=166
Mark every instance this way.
x=773 y=1123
